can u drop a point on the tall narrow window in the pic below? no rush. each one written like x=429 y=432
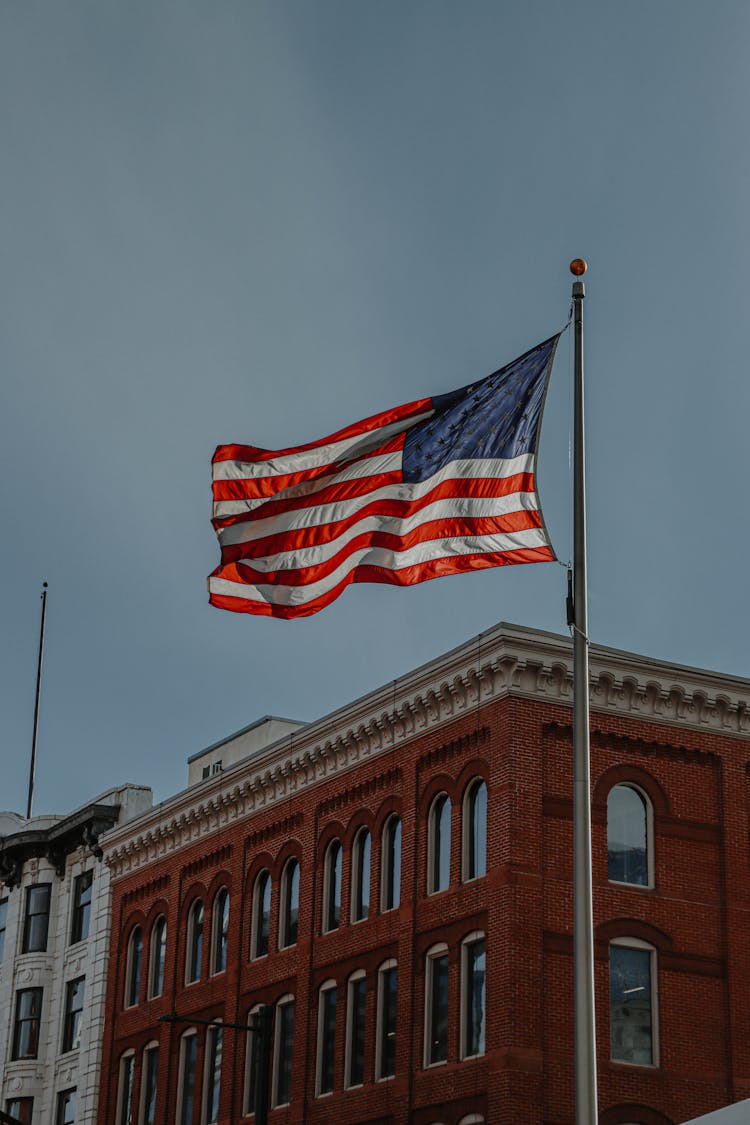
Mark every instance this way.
x=214 y=1045
x=157 y=957
x=283 y=1051
x=627 y=836
x=125 y=1090
x=436 y=1006
x=356 y=998
x=3 y=925
x=473 y=996
x=390 y=860
x=74 y=991
x=220 y=931
x=26 y=1026
x=632 y=1023
x=36 y=920
x=475 y=831
x=361 y=876
x=253 y=1063
x=385 y=1030
x=79 y=922
x=66 y=1108
x=327 y=997
x=289 y=905
x=439 y=845
x=21 y=1109
x=194 y=943
x=149 y=1083
x=133 y=968
x=332 y=887
x=186 y=1087
x=261 y=925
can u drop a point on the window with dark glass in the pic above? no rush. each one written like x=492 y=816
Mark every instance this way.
x=125 y=1090
x=252 y=1063
x=134 y=966
x=283 y=1051
x=194 y=942
x=66 y=1108
x=474 y=997
x=74 y=991
x=220 y=931
x=36 y=920
x=385 y=1045
x=326 y=1038
x=157 y=957
x=149 y=1081
x=439 y=845
x=289 y=905
x=261 y=928
x=475 y=831
x=436 y=1002
x=79 y=928
x=214 y=1045
x=188 y=1059
x=27 y=1022
x=354 y=1068
x=332 y=887
x=627 y=836
x=3 y=925
x=20 y=1108
x=391 y=865
x=631 y=1012
x=361 y=876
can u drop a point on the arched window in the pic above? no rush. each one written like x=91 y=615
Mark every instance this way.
x=326 y=1057
x=149 y=1082
x=283 y=1051
x=261 y=926
x=361 y=876
x=133 y=968
x=475 y=830
x=473 y=996
x=157 y=957
x=385 y=1020
x=629 y=829
x=356 y=1006
x=332 y=887
x=439 y=844
x=220 y=931
x=289 y=906
x=390 y=865
x=436 y=1006
x=194 y=943
x=125 y=1089
x=632 y=1002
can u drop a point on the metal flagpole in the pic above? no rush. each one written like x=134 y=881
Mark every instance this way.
x=32 y=770
x=583 y=925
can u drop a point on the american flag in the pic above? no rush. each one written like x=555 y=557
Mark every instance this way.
x=438 y=486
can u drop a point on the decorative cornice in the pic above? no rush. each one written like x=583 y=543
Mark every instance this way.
x=505 y=661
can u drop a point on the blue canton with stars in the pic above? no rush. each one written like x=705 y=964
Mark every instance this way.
x=498 y=417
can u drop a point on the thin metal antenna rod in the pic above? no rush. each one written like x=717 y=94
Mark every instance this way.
x=583 y=924
x=32 y=770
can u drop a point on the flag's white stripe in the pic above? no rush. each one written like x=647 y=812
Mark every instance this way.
x=319 y=514
x=381 y=557
x=446 y=509
x=347 y=449
x=355 y=470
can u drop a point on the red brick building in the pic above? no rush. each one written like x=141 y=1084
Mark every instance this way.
x=394 y=881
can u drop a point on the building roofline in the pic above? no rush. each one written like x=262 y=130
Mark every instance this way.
x=243 y=730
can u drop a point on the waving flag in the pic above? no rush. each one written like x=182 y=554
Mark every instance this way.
x=439 y=486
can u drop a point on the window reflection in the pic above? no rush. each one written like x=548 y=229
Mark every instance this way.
x=630 y=1005
x=627 y=836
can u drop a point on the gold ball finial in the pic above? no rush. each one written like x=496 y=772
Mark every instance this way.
x=578 y=267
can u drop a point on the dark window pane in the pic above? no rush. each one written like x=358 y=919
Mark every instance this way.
x=392 y=862
x=262 y=914
x=26 y=1028
x=388 y=979
x=81 y=906
x=125 y=1095
x=327 y=1025
x=333 y=887
x=290 y=904
x=135 y=962
x=158 y=956
x=285 y=1044
x=66 y=1108
x=187 y=1084
x=630 y=1006
x=477 y=832
x=221 y=931
x=440 y=844
x=213 y=1082
x=150 y=1079
x=74 y=993
x=627 y=836
x=357 y=1003
x=437 y=1047
x=21 y=1109
x=362 y=876
x=3 y=924
x=195 y=942
x=475 y=998
x=36 y=922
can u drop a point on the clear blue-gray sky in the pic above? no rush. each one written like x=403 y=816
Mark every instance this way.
x=259 y=221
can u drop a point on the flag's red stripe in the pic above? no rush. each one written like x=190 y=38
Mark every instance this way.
x=409 y=576
x=375 y=422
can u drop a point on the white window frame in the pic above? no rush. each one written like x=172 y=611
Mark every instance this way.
x=387 y=862
x=191 y=1031
x=197 y=902
x=353 y=979
x=154 y=1044
x=129 y=966
x=326 y=924
x=284 y=914
x=431 y=830
x=257 y=907
x=650 y=867
x=467 y=824
x=327 y=986
x=217 y=931
x=124 y=1057
x=476 y=935
x=636 y=943
x=391 y=963
x=356 y=889
x=153 y=952
x=287 y=998
x=432 y=955
x=246 y=1110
